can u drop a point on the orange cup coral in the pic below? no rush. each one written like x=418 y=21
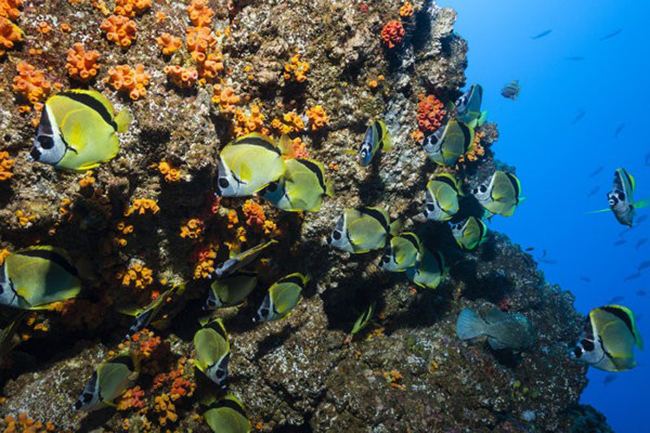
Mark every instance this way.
x=393 y=33
x=296 y=69
x=9 y=35
x=169 y=44
x=119 y=30
x=225 y=97
x=431 y=113
x=406 y=10
x=81 y=64
x=317 y=117
x=31 y=84
x=132 y=81
x=5 y=166
x=142 y=206
x=129 y=8
x=9 y=9
x=199 y=40
x=182 y=77
x=200 y=14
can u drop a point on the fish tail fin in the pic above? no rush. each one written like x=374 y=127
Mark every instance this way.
x=470 y=325
x=395 y=227
x=285 y=144
x=642 y=204
x=329 y=188
x=123 y=120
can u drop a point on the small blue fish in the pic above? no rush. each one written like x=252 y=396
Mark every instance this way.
x=541 y=35
x=611 y=35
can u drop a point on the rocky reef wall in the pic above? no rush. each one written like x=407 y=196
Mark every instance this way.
x=148 y=220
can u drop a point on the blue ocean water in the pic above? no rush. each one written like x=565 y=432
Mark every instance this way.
x=568 y=71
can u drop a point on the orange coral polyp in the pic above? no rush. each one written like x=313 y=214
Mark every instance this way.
x=119 y=30
x=142 y=206
x=169 y=44
x=296 y=69
x=199 y=40
x=132 y=81
x=393 y=33
x=5 y=166
x=130 y=8
x=226 y=98
x=9 y=35
x=31 y=84
x=200 y=14
x=317 y=117
x=182 y=77
x=9 y=9
x=406 y=10
x=81 y=64
x=431 y=113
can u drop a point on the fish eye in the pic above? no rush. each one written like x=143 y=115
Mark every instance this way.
x=35 y=154
x=223 y=183
x=264 y=312
x=336 y=235
x=386 y=258
x=272 y=187
x=482 y=188
x=87 y=397
x=430 y=207
x=46 y=141
x=621 y=196
x=220 y=374
x=588 y=345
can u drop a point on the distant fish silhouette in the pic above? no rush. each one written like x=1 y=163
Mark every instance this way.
x=619 y=242
x=641 y=293
x=541 y=35
x=580 y=115
x=632 y=276
x=615 y=300
x=609 y=379
x=511 y=90
x=585 y=279
x=593 y=191
x=597 y=171
x=643 y=265
x=640 y=243
x=575 y=58
x=619 y=129
x=624 y=232
x=611 y=35
x=647 y=159
x=529 y=249
x=641 y=219
x=543 y=259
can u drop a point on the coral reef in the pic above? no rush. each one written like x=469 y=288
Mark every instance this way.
x=148 y=221
x=169 y=44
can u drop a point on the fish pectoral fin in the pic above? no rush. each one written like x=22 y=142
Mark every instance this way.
x=598 y=211
x=642 y=204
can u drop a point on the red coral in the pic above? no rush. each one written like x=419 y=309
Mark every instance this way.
x=393 y=33
x=431 y=113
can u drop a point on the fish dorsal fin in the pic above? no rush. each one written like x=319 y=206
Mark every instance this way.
x=495 y=315
x=286 y=146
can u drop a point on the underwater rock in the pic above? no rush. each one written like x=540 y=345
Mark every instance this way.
x=406 y=369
